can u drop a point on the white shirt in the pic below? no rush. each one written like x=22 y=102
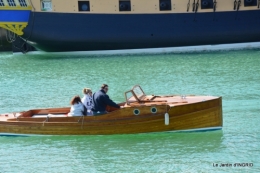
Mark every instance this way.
x=88 y=103
x=77 y=110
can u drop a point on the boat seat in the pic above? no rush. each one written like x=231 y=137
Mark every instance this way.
x=49 y=115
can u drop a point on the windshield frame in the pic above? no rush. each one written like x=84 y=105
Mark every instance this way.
x=136 y=95
x=137 y=87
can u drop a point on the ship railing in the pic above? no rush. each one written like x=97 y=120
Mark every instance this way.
x=15 y=5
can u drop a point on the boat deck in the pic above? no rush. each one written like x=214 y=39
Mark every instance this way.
x=5 y=116
x=172 y=100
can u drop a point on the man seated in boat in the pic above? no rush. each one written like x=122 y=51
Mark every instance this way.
x=101 y=100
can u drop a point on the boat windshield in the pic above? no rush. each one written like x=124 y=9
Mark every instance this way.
x=138 y=92
x=130 y=97
x=134 y=95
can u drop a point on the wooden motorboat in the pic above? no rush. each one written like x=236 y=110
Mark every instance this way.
x=140 y=113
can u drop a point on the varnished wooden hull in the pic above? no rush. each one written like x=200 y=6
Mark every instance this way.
x=201 y=115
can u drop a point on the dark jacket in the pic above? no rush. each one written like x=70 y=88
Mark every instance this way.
x=101 y=100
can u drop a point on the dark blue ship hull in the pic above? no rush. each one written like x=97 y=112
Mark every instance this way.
x=59 y=32
x=4 y=44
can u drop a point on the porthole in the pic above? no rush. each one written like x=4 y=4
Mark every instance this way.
x=249 y=3
x=165 y=5
x=83 y=6
x=136 y=111
x=124 y=5
x=46 y=5
x=153 y=110
x=206 y=4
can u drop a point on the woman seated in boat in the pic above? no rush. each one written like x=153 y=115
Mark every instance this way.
x=87 y=100
x=77 y=108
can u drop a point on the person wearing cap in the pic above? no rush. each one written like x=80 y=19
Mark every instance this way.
x=87 y=100
x=101 y=100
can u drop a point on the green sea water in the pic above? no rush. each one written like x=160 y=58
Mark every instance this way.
x=44 y=80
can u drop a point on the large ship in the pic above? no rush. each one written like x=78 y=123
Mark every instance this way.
x=93 y=25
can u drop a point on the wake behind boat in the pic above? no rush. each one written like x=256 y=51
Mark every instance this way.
x=140 y=113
